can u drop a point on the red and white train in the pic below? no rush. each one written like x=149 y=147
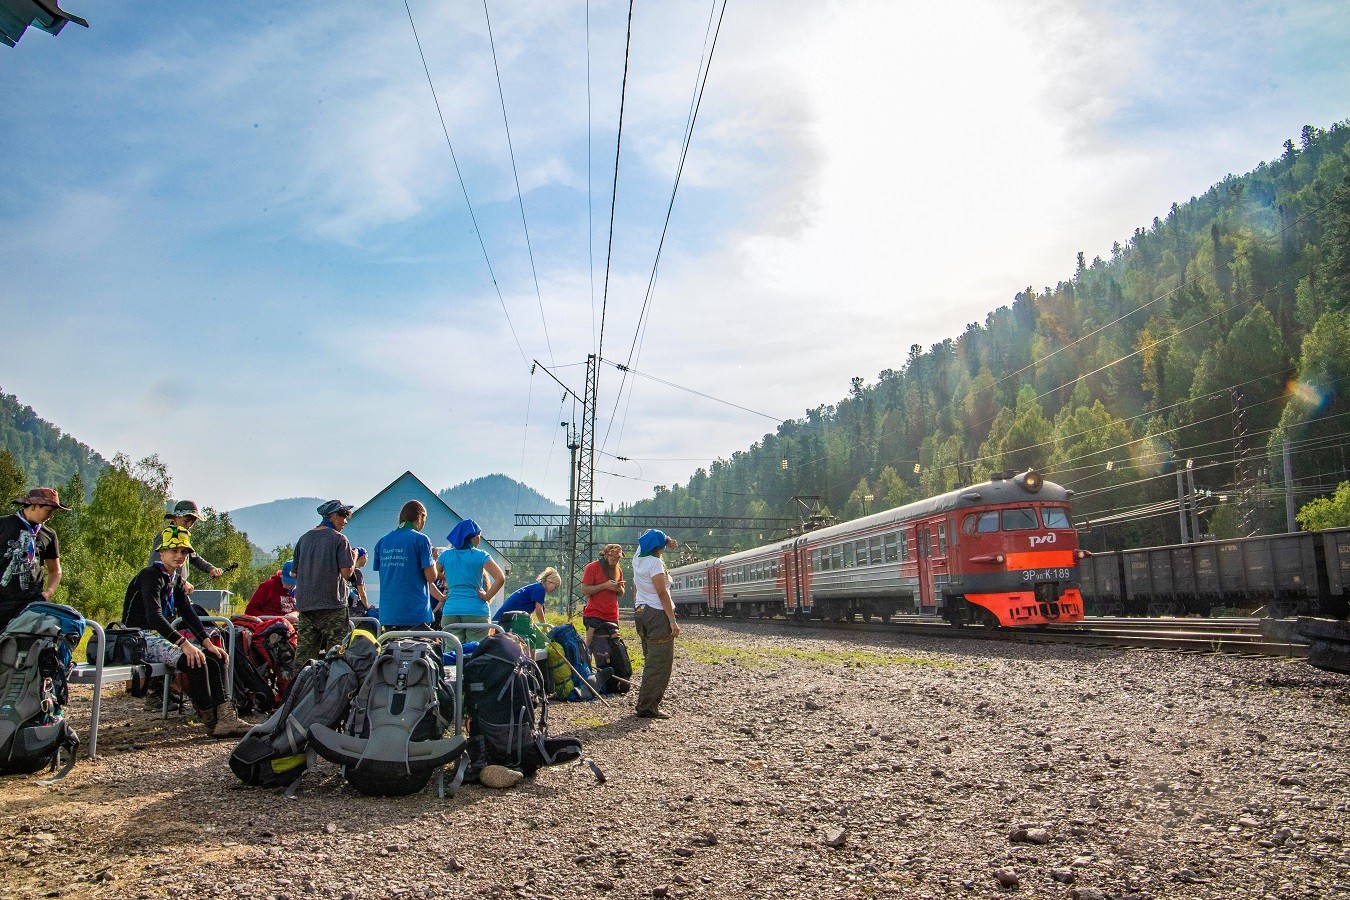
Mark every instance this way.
x=999 y=553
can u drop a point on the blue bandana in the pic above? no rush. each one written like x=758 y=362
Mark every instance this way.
x=460 y=534
x=651 y=540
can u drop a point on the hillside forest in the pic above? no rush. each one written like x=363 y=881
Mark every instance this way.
x=1209 y=342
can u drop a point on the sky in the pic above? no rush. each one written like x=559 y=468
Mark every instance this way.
x=236 y=235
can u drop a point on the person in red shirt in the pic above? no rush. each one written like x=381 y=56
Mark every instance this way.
x=602 y=585
x=275 y=596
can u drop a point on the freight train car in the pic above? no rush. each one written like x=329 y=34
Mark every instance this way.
x=1286 y=574
x=998 y=553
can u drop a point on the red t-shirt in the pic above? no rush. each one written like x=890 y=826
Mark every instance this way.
x=601 y=604
x=272 y=598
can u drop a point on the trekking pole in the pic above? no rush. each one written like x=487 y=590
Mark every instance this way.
x=589 y=687
x=624 y=680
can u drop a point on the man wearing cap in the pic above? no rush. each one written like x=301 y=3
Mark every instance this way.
x=185 y=514
x=30 y=563
x=324 y=560
x=275 y=596
x=654 y=622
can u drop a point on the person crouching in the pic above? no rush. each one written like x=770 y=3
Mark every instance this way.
x=154 y=598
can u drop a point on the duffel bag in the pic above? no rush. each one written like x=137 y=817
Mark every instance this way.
x=121 y=646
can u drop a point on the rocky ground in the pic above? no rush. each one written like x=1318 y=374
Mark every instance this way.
x=801 y=764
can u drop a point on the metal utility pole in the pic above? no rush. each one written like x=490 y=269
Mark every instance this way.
x=1181 y=508
x=583 y=541
x=1194 y=496
x=569 y=547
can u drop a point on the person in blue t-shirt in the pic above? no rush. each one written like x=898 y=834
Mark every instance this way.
x=407 y=573
x=530 y=598
x=464 y=565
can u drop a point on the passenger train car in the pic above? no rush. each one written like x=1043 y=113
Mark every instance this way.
x=999 y=553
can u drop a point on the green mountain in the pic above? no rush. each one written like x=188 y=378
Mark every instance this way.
x=277 y=522
x=1211 y=337
x=493 y=501
x=41 y=451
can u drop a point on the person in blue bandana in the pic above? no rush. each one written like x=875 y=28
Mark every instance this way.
x=463 y=565
x=654 y=622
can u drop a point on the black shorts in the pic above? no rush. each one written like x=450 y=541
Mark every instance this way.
x=601 y=626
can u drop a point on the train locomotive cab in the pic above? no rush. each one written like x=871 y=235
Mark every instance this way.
x=1015 y=561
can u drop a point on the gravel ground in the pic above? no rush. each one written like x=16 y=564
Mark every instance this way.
x=801 y=764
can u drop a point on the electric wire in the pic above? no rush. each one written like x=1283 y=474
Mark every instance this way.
x=478 y=232
x=614 y=191
x=515 y=173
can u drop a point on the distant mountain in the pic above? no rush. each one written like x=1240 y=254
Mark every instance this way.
x=270 y=525
x=493 y=501
x=42 y=451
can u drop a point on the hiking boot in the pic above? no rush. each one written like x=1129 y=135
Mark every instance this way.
x=652 y=714
x=207 y=717
x=499 y=777
x=228 y=724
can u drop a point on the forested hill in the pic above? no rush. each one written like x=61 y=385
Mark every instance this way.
x=41 y=451
x=1210 y=335
x=493 y=501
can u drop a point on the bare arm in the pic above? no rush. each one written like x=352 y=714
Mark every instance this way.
x=498 y=579
x=429 y=573
x=662 y=585
x=53 y=567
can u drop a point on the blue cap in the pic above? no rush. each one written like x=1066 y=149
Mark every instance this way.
x=360 y=551
x=651 y=539
x=460 y=534
x=287 y=573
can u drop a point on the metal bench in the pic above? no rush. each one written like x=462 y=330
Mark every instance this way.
x=97 y=674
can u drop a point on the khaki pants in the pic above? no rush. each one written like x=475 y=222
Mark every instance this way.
x=658 y=652
x=317 y=631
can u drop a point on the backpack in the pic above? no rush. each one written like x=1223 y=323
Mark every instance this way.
x=508 y=711
x=35 y=659
x=576 y=664
x=273 y=753
x=612 y=653
x=263 y=667
x=394 y=739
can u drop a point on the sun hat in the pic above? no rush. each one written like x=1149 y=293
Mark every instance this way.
x=184 y=508
x=175 y=538
x=41 y=496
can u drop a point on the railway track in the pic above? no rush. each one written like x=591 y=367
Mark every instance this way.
x=1228 y=635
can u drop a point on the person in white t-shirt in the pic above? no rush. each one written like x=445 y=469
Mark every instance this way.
x=654 y=622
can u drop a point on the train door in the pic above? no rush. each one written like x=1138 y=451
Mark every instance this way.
x=923 y=554
x=803 y=587
x=715 y=589
x=787 y=578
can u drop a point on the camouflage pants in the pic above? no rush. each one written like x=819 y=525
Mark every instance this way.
x=317 y=631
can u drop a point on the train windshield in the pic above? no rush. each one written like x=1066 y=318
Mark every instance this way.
x=1023 y=519
x=1055 y=517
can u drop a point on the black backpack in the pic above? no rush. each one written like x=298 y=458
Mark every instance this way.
x=35 y=660
x=394 y=739
x=508 y=711
x=611 y=653
x=273 y=753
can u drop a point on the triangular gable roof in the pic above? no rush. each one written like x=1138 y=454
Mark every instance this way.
x=379 y=515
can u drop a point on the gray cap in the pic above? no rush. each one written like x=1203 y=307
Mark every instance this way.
x=184 y=508
x=333 y=507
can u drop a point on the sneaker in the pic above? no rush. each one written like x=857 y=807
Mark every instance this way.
x=499 y=777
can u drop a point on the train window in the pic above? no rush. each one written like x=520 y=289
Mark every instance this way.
x=968 y=524
x=1055 y=517
x=988 y=523
x=874 y=550
x=849 y=559
x=837 y=557
x=892 y=543
x=860 y=549
x=1023 y=519
x=942 y=538
x=815 y=560
x=904 y=545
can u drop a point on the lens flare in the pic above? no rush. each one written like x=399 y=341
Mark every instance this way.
x=1152 y=455
x=1307 y=394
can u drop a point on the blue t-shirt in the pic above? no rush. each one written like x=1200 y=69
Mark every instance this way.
x=400 y=558
x=523 y=600
x=463 y=580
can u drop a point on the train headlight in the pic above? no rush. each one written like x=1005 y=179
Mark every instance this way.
x=1030 y=481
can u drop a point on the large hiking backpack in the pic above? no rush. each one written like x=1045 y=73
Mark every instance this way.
x=574 y=667
x=610 y=652
x=35 y=660
x=264 y=662
x=508 y=710
x=394 y=738
x=273 y=753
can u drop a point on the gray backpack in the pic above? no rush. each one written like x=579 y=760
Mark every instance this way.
x=274 y=753
x=35 y=660
x=394 y=739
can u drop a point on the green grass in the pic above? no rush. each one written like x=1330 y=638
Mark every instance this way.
x=717 y=654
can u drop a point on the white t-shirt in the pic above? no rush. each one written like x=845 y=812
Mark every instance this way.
x=645 y=568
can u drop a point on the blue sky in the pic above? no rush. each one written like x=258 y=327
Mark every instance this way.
x=241 y=231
